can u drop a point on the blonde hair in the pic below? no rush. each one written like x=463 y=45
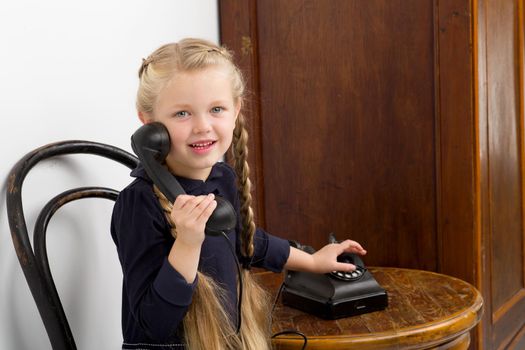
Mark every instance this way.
x=206 y=324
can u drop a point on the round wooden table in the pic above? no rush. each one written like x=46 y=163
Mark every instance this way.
x=426 y=310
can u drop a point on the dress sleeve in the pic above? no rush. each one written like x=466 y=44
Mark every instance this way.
x=156 y=294
x=271 y=252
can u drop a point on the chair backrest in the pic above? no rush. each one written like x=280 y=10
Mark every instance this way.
x=34 y=261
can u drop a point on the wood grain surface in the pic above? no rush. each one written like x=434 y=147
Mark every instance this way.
x=426 y=310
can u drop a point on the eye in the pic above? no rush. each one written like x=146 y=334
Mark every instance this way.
x=217 y=109
x=181 y=114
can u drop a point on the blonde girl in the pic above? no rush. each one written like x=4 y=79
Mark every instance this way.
x=180 y=286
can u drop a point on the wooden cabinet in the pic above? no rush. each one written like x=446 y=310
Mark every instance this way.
x=400 y=124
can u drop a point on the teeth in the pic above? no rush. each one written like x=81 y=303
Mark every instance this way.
x=201 y=145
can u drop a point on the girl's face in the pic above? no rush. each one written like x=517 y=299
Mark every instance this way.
x=199 y=112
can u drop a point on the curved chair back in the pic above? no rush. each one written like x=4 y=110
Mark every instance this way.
x=34 y=262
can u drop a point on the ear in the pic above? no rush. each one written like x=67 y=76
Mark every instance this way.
x=145 y=118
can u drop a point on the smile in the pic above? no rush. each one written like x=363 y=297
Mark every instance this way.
x=202 y=145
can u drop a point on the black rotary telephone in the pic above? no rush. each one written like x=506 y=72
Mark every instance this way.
x=151 y=143
x=336 y=294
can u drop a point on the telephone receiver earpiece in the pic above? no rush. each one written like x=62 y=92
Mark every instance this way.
x=151 y=143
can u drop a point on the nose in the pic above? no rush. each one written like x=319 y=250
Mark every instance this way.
x=201 y=124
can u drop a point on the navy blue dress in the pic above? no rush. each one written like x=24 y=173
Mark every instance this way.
x=155 y=297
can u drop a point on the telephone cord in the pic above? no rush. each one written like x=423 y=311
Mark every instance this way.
x=289 y=331
x=239 y=303
x=239 y=274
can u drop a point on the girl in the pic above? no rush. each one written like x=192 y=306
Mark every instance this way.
x=180 y=287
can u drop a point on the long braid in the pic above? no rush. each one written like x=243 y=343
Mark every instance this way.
x=167 y=206
x=256 y=309
x=240 y=164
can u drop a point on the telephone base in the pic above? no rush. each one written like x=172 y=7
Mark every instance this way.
x=328 y=298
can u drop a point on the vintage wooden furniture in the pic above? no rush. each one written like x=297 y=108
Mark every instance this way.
x=426 y=310
x=34 y=260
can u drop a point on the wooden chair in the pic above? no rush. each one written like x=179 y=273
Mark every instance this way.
x=34 y=261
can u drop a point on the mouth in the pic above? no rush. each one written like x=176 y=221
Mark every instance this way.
x=202 y=145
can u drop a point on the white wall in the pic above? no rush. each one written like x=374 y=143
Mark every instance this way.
x=68 y=70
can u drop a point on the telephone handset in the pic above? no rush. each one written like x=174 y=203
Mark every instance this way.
x=151 y=143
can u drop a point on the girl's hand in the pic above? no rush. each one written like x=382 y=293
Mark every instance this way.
x=190 y=214
x=325 y=259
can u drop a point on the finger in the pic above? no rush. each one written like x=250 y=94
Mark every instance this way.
x=181 y=201
x=206 y=213
x=202 y=204
x=345 y=267
x=191 y=206
x=353 y=247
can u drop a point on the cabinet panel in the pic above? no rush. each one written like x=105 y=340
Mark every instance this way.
x=504 y=153
x=347 y=118
x=505 y=168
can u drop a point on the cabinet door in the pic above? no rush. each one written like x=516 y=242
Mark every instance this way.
x=343 y=121
x=500 y=44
